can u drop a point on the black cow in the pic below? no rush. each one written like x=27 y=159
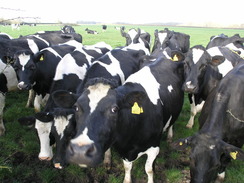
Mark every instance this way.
x=204 y=69
x=8 y=82
x=130 y=117
x=37 y=71
x=222 y=130
x=104 y=27
x=136 y=36
x=174 y=40
x=88 y=31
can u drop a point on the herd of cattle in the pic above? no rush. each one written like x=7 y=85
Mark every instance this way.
x=128 y=96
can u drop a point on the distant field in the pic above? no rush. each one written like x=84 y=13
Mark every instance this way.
x=19 y=148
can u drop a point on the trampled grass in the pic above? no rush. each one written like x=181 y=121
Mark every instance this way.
x=19 y=148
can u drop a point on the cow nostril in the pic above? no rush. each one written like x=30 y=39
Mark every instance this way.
x=91 y=151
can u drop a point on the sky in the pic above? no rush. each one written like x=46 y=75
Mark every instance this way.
x=129 y=11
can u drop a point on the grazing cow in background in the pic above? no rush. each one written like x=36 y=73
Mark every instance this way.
x=234 y=42
x=104 y=27
x=68 y=29
x=222 y=130
x=8 y=82
x=37 y=70
x=88 y=31
x=204 y=69
x=173 y=40
x=137 y=36
x=15 y=26
x=130 y=117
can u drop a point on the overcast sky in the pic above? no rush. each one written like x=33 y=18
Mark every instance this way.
x=131 y=11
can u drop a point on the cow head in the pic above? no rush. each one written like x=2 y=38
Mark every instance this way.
x=132 y=36
x=209 y=156
x=162 y=38
x=197 y=61
x=96 y=114
x=25 y=67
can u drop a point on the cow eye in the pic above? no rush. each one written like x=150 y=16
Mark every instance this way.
x=114 y=109
x=76 y=108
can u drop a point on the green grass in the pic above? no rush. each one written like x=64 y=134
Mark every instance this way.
x=19 y=148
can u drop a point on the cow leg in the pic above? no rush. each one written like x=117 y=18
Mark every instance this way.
x=194 y=110
x=44 y=130
x=107 y=159
x=30 y=102
x=127 y=167
x=152 y=153
x=170 y=134
x=2 y=104
x=40 y=101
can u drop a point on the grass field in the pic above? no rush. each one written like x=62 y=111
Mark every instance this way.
x=19 y=148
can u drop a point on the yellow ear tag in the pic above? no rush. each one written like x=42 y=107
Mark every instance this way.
x=181 y=143
x=233 y=154
x=136 y=109
x=175 y=59
x=41 y=59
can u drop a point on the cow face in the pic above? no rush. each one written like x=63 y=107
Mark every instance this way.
x=161 y=39
x=132 y=36
x=209 y=156
x=197 y=61
x=25 y=67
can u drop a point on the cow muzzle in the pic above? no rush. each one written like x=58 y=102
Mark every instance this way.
x=23 y=86
x=84 y=156
x=190 y=88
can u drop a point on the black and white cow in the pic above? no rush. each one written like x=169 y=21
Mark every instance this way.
x=234 y=42
x=204 y=69
x=131 y=117
x=89 y=31
x=174 y=40
x=69 y=74
x=8 y=82
x=36 y=71
x=68 y=29
x=222 y=131
x=137 y=36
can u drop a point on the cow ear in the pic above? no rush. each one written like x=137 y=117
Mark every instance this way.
x=232 y=151
x=177 y=56
x=181 y=144
x=135 y=100
x=39 y=57
x=27 y=120
x=156 y=33
x=217 y=60
x=64 y=98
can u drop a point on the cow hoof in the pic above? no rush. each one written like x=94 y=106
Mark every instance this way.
x=58 y=166
x=2 y=131
x=45 y=158
x=189 y=126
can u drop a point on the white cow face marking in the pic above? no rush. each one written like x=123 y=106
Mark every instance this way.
x=97 y=92
x=23 y=59
x=196 y=53
x=162 y=37
x=82 y=139
x=132 y=33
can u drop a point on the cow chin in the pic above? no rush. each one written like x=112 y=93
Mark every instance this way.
x=84 y=156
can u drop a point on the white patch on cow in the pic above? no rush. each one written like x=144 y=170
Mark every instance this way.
x=166 y=55
x=97 y=92
x=162 y=37
x=150 y=84
x=89 y=58
x=225 y=67
x=38 y=37
x=60 y=123
x=82 y=139
x=114 y=68
x=197 y=53
x=170 y=88
x=43 y=130
x=211 y=147
x=67 y=66
x=33 y=46
x=132 y=33
x=214 y=51
x=51 y=50
x=167 y=124
x=234 y=48
x=137 y=46
x=74 y=43
x=221 y=176
x=23 y=59
x=102 y=45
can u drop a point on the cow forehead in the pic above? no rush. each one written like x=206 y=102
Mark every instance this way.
x=197 y=54
x=96 y=93
x=23 y=59
x=162 y=36
x=132 y=33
